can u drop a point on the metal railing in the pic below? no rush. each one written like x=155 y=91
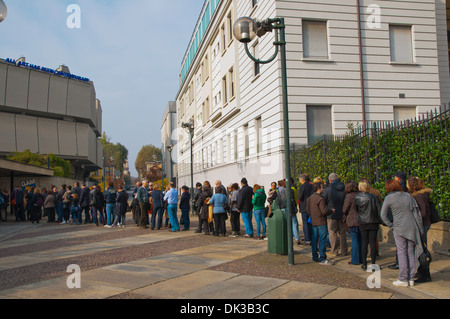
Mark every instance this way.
x=419 y=147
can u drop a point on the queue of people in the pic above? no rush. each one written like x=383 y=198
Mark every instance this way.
x=329 y=210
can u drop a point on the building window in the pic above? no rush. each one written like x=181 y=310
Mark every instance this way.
x=231 y=81
x=318 y=122
x=225 y=90
x=401 y=43
x=315 y=39
x=206 y=111
x=246 y=141
x=230 y=27
x=235 y=145
x=258 y=128
x=403 y=113
x=205 y=69
x=223 y=37
x=254 y=3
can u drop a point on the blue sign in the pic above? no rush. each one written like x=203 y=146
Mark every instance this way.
x=47 y=70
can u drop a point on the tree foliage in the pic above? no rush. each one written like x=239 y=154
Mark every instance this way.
x=115 y=154
x=148 y=153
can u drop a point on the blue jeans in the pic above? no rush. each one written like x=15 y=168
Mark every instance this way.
x=160 y=212
x=185 y=215
x=260 y=220
x=59 y=211
x=356 y=253
x=97 y=215
x=294 y=225
x=319 y=233
x=248 y=224
x=110 y=209
x=172 y=209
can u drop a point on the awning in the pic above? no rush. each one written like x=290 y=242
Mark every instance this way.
x=14 y=169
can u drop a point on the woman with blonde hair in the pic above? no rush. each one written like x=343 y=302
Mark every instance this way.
x=368 y=208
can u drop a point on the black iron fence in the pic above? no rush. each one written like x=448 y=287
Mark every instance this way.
x=420 y=147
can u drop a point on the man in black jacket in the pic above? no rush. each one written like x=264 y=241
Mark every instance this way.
x=335 y=197
x=245 y=207
x=304 y=192
x=85 y=203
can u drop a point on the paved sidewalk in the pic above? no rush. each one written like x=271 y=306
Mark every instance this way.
x=209 y=268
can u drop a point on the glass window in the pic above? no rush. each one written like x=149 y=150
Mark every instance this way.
x=315 y=39
x=401 y=43
x=318 y=122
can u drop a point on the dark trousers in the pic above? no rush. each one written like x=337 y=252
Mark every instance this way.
x=19 y=212
x=51 y=214
x=235 y=220
x=157 y=211
x=144 y=214
x=369 y=237
x=87 y=215
x=219 y=221
x=307 y=227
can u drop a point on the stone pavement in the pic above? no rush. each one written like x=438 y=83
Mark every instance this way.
x=128 y=263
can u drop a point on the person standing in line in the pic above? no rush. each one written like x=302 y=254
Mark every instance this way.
x=304 y=192
x=29 y=197
x=282 y=200
x=203 y=208
x=67 y=202
x=97 y=203
x=401 y=178
x=5 y=198
x=158 y=207
x=59 y=203
x=245 y=207
x=368 y=208
x=185 y=207
x=218 y=200
x=37 y=203
x=335 y=196
x=351 y=219
x=197 y=192
x=121 y=208
x=110 y=198
x=259 y=205
x=317 y=208
x=75 y=209
x=408 y=230
x=142 y=196
x=235 y=218
x=49 y=206
x=422 y=195
x=84 y=203
x=172 y=205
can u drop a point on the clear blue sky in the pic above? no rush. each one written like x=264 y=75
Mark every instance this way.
x=131 y=50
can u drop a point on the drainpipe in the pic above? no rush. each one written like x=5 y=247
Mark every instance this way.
x=361 y=66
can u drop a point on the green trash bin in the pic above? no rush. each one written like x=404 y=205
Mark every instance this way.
x=277 y=232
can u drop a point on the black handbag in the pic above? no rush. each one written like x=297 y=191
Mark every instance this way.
x=425 y=258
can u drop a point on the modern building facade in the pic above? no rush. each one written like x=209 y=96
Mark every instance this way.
x=168 y=141
x=348 y=62
x=50 y=112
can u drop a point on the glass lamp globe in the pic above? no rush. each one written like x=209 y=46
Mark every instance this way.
x=3 y=11
x=244 y=30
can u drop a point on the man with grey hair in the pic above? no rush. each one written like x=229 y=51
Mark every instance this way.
x=335 y=197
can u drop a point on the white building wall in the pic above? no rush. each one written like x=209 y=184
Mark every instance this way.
x=334 y=82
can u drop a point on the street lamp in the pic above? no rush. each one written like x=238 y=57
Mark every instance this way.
x=3 y=11
x=245 y=31
x=190 y=127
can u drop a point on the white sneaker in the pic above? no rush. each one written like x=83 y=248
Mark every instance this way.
x=411 y=283
x=399 y=283
x=64 y=222
x=326 y=262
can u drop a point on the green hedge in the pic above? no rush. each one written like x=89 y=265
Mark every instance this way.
x=419 y=149
x=60 y=166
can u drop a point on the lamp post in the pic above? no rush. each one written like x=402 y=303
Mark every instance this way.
x=3 y=11
x=190 y=127
x=245 y=31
